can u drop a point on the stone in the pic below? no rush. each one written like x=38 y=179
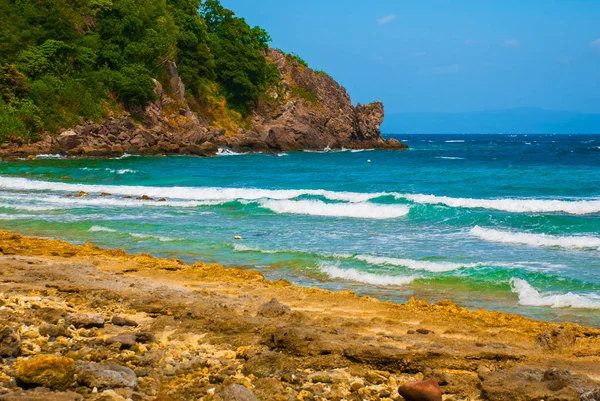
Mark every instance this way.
x=69 y=140
x=53 y=330
x=81 y=194
x=557 y=379
x=424 y=331
x=428 y=390
x=593 y=395
x=109 y=395
x=235 y=392
x=126 y=340
x=144 y=197
x=41 y=394
x=556 y=338
x=269 y=364
x=105 y=375
x=121 y=321
x=273 y=309
x=10 y=343
x=86 y=321
x=45 y=370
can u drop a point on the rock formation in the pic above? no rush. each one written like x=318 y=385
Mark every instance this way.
x=307 y=110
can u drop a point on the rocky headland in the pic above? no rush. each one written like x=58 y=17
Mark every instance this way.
x=79 y=322
x=306 y=110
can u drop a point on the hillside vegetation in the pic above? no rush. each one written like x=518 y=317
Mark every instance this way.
x=65 y=61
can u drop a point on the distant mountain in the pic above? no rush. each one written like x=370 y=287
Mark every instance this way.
x=521 y=120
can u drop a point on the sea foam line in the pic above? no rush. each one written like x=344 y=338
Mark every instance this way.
x=538 y=240
x=335 y=272
x=579 y=207
x=135 y=235
x=319 y=208
x=529 y=296
x=437 y=267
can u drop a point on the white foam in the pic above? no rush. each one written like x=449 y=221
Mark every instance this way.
x=543 y=240
x=46 y=156
x=335 y=272
x=228 y=152
x=245 y=248
x=455 y=141
x=100 y=229
x=188 y=193
x=529 y=296
x=579 y=207
x=282 y=154
x=135 y=235
x=450 y=158
x=318 y=208
x=426 y=265
x=29 y=208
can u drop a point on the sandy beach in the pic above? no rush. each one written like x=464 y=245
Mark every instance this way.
x=79 y=322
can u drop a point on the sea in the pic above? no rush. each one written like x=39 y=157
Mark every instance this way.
x=501 y=222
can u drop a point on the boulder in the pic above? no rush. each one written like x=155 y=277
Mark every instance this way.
x=268 y=364
x=105 y=375
x=428 y=390
x=46 y=371
x=593 y=395
x=69 y=140
x=10 y=343
x=273 y=309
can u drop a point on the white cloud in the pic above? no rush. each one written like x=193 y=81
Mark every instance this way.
x=446 y=69
x=511 y=43
x=387 y=19
x=596 y=43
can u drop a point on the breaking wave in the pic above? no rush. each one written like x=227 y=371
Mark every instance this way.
x=529 y=296
x=437 y=267
x=335 y=272
x=540 y=240
x=318 y=208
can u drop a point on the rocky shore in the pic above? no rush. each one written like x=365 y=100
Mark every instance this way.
x=308 y=111
x=78 y=322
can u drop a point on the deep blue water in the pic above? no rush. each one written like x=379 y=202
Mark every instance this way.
x=505 y=222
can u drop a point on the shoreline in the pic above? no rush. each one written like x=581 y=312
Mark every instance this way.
x=312 y=343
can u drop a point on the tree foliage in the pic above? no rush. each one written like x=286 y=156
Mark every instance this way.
x=66 y=60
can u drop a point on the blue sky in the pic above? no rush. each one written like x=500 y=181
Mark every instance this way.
x=445 y=55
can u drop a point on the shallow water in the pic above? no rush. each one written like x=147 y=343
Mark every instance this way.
x=502 y=222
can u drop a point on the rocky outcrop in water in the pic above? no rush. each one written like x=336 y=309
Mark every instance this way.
x=308 y=110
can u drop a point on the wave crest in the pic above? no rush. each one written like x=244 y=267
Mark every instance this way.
x=529 y=296
x=318 y=208
x=538 y=240
x=335 y=272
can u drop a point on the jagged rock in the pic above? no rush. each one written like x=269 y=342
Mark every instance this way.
x=558 y=379
x=10 y=343
x=428 y=390
x=235 y=392
x=176 y=85
x=41 y=394
x=69 y=140
x=105 y=375
x=593 y=395
x=86 y=321
x=556 y=338
x=273 y=309
x=46 y=371
x=53 y=330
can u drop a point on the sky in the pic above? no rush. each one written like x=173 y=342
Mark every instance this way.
x=444 y=55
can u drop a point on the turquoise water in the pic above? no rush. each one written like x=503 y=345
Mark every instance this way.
x=502 y=222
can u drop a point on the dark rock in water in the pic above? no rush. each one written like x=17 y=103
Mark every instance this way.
x=235 y=392
x=121 y=321
x=41 y=394
x=86 y=321
x=126 y=340
x=105 y=375
x=269 y=364
x=428 y=390
x=556 y=338
x=273 y=309
x=558 y=379
x=45 y=371
x=10 y=343
x=144 y=197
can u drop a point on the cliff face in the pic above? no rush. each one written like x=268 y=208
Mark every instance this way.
x=307 y=110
